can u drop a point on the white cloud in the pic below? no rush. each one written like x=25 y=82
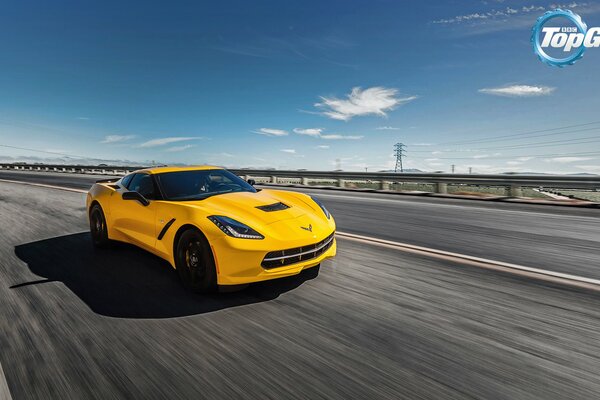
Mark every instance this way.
x=564 y=160
x=421 y=144
x=524 y=158
x=318 y=133
x=435 y=153
x=514 y=163
x=290 y=151
x=83 y=118
x=592 y=168
x=501 y=14
x=519 y=91
x=372 y=101
x=341 y=137
x=323 y=146
x=180 y=148
x=478 y=156
x=271 y=132
x=315 y=132
x=117 y=138
x=386 y=128
x=168 y=140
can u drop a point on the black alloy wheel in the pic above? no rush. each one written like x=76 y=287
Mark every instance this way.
x=98 y=227
x=194 y=262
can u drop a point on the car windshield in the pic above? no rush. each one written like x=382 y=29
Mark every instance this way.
x=200 y=184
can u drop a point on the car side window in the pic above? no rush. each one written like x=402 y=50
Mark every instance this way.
x=126 y=180
x=144 y=185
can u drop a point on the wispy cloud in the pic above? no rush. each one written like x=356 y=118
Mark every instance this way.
x=315 y=132
x=502 y=14
x=386 y=128
x=591 y=168
x=180 y=148
x=117 y=138
x=318 y=133
x=519 y=91
x=323 y=146
x=372 y=101
x=83 y=118
x=507 y=18
x=341 y=137
x=168 y=140
x=564 y=160
x=289 y=151
x=271 y=132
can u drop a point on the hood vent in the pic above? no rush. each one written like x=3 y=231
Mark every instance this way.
x=273 y=207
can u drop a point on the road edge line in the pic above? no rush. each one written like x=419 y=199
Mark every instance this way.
x=44 y=185
x=515 y=269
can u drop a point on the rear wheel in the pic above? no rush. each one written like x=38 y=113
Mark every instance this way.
x=98 y=227
x=194 y=262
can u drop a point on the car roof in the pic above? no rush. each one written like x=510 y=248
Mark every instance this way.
x=161 y=170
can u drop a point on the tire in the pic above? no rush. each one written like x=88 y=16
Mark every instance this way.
x=98 y=228
x=194 y=262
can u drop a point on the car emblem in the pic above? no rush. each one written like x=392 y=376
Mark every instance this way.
x=309 y=228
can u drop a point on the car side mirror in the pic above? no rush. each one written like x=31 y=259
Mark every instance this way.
x=131 y=195
x=251 y=182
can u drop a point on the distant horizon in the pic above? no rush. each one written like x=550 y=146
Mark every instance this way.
x=123 y=163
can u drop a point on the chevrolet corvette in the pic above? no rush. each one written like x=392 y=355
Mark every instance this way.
x=212 y=226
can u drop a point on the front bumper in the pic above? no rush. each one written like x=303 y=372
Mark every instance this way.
x=239 y=261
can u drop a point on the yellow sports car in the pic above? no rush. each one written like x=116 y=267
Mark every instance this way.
x=211 y=225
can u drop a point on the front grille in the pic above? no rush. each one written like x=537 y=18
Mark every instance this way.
x=281 y=258
x=273 y=207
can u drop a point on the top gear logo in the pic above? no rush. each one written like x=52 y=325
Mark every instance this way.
x=573 y=39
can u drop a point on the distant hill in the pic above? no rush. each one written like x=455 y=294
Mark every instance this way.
x=409 y=170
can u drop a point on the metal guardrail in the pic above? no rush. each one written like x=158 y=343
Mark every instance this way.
x=513 y=183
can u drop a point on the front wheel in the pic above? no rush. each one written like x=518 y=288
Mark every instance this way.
x=194 y=262
x=98 y=227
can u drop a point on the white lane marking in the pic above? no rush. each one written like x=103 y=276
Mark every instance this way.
x=537 y=273
x=531 y=272
x=479 y=207
x=4 y=390
x=45 y=186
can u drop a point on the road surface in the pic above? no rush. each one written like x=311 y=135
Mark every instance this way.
x=376 y=322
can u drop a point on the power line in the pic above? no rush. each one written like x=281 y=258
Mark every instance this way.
x=538 y=144
x=523 y=144
x=592 y=153
x=521 y=134
x=42 y=151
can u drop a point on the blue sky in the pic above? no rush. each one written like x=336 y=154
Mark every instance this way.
x=295 y=84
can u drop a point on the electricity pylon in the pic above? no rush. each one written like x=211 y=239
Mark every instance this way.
x=399 y=153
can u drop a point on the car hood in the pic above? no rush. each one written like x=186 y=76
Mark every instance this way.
x=243 y=206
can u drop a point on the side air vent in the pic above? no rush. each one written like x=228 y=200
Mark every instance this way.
x=273 y=207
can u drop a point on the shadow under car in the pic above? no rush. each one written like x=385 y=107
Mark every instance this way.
x=127 y=282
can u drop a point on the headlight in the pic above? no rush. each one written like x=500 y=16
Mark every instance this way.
x=322 y=207
x=234 y=228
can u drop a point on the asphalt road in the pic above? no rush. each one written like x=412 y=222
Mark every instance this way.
x=557 y=238
x=376 y=323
